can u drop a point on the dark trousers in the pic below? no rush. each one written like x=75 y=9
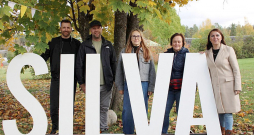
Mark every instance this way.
x=54 y=101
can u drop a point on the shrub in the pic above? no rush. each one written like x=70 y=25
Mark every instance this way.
x=248 y=47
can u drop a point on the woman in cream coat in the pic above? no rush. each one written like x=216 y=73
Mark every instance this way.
x=226 y=79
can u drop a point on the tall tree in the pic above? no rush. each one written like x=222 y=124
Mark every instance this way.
x=119 y=43
x=232 y=29
x=187 y=32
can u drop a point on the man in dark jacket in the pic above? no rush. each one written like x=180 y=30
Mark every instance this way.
x=63 y=44
x=96 y=43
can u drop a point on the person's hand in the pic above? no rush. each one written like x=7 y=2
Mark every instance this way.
x=237 y=92
x=83 y=87
x=149 y=93
x=121 y=92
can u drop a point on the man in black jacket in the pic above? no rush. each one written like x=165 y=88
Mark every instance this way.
x=63 y=44
x=96 y=43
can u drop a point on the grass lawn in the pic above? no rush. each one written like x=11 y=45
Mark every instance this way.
x=11 y=109
x=25 y=76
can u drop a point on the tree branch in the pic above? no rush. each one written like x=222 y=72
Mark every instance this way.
x=78 y=12
x=74 y=17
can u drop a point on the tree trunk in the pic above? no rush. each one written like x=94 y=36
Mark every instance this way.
x=83 y=21
x=119 y=43
x=132 y=21
x=84 y=25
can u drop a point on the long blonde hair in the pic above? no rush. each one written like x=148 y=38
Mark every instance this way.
x=129 y=45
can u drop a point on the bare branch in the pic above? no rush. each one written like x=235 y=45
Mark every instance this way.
x=74 y=17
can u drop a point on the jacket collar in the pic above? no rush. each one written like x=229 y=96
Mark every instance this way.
x=171 y=50
x=89 y=40
x=140 y=50
x=220 y=53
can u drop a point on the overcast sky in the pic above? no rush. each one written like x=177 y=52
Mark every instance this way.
x=218 y=11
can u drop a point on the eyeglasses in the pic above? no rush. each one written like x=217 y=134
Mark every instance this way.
x=135 y=36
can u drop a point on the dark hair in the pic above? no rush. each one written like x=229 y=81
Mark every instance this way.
x=209 y=44
x=65 y=21
x=177 y=34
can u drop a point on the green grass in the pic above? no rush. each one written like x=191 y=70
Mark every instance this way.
x=24 y=76
x=247 y=94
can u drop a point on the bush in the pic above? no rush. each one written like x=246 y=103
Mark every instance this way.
x=155 y=50
x=243 y=46
x=237 y=45
x=248 y=47
x=195 y=45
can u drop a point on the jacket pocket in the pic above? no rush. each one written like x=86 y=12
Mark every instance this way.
x=230 y=78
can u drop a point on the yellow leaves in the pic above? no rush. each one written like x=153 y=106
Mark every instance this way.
x=172 y=4
x=10 y=44
x=48 y=37
x=196 y=107
x=180 y=2
x=75 y=34
x=172 y=118
x=80 y=3
x=1 y=61
x=133 y=1
x=242 y=114
x=249 y=111
x=151 y=3
x=247 y=120
x=158 y=13
x=1 y=25
x=84 y=8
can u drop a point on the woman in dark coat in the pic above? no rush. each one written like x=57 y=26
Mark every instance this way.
x=177 y=42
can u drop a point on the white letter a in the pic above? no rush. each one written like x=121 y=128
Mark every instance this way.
x=196 y=71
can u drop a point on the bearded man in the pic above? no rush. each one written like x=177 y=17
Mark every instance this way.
x=97 y=44
x=63 y=44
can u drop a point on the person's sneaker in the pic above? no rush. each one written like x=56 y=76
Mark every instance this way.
x=105 y=130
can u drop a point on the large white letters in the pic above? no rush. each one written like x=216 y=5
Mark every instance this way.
x=93 y=94
x=196 y=71
x=23 y=96
x=66 y=94
x=136 y=93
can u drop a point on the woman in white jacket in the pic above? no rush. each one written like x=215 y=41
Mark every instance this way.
x=226 y=79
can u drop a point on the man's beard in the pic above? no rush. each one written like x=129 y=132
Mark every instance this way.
x=66 y=34
x=96 y=37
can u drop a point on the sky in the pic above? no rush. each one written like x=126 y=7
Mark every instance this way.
x=218 y=11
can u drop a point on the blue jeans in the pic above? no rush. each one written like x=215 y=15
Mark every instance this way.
x=172 y=97
x=226 y=120
x=127 y=117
